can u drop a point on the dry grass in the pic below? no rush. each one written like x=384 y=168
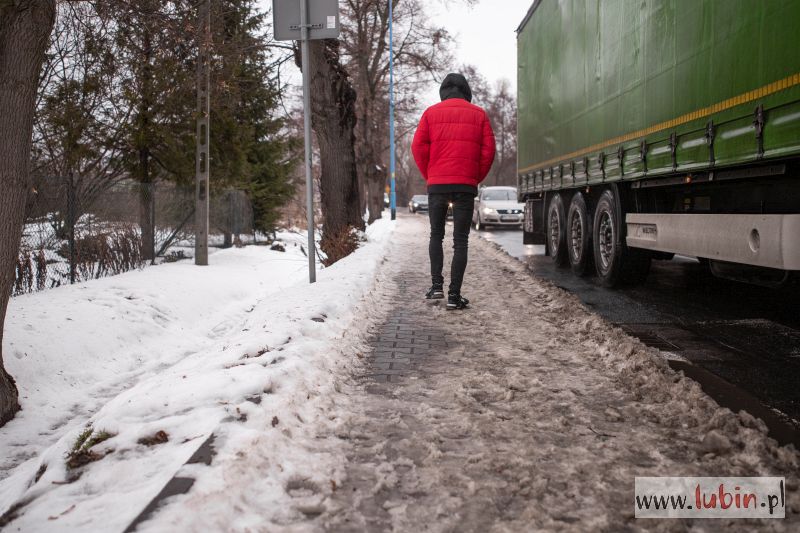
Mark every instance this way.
x=31 y=272
x=104 y=253
x=338 y=245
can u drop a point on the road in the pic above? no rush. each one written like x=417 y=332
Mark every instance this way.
x=740 y=342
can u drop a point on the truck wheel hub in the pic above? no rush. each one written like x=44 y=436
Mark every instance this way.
x=605 y=238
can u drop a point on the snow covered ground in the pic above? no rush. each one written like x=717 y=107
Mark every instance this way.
x=537 y=415
x=244 y=348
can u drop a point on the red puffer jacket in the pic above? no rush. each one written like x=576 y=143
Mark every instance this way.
x=454 y=144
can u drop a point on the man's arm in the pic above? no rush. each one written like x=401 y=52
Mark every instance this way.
x=421 y=146
x=487 y=148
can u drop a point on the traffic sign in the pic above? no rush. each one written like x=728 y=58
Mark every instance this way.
x=323 y=19
x=306 y=20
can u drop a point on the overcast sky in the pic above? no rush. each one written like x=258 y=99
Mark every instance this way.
x=484 y=36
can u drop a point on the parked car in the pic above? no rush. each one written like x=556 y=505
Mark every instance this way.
x=497 y=206
x=418 y=203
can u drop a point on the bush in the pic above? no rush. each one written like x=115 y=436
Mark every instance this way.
x=31 y=272
x=338 y=245
x=104 y=253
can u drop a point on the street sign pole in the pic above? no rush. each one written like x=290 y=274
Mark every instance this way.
x=393 y=197
x=305 y=21
x=305 y=59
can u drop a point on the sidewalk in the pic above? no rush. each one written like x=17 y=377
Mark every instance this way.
x=525 y=412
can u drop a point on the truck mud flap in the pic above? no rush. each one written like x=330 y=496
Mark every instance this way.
x=533 y=222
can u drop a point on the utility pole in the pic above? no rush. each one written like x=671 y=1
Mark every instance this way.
x=203 y=137
x=393 y=196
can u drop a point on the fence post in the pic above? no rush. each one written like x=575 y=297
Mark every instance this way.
x=253 y=220
x=225 y=219
x=152 y=187
x=236 y=205
x=71 y=225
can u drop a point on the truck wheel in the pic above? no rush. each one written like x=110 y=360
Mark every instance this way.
x=606 y=243
x=615 y=263
x=579 y=236
x=557 y=231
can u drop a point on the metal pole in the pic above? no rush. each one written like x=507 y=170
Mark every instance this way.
x=305 y=53
x=71 y=221
x=152 y=188
x=393 y=196
x=203 y=137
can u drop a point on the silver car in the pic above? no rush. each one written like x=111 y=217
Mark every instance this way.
x=418 y=202
x=497 y=206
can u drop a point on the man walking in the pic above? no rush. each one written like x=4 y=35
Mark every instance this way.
x=454 y=149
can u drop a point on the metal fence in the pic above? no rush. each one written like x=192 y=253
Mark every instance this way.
x=74 y=233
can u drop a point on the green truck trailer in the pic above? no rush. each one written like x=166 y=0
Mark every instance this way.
x=648 y=128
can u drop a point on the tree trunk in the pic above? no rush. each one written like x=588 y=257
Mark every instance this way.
x=334 y=120
x=376 y=186
x=24 y=30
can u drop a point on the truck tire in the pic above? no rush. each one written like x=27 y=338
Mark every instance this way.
x=557 y=230
x=615 y=263
x=579 y=236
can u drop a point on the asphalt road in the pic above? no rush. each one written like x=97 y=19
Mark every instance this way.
x=740 y=342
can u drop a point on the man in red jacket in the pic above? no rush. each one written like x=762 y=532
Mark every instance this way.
x=454 y=149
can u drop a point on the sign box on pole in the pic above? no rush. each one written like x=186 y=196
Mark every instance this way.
x=323 y=19
x=306 y=20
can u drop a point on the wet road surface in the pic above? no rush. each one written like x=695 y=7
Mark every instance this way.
x=740 y=342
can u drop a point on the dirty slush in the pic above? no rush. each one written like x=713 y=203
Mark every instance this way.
x=541 y=420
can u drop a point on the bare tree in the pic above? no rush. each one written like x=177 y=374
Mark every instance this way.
x=500 y=104
x=502 y=111
x=409 y=178
x=421 y=54
x=25 y=26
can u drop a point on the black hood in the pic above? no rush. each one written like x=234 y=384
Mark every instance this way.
x=455 y=86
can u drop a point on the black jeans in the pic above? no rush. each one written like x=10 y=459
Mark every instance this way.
x=438 y=204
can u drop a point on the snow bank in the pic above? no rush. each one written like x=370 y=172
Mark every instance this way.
x=244 y=348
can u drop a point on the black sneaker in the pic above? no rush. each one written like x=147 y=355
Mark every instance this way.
x=456 y=301
x=435 y=293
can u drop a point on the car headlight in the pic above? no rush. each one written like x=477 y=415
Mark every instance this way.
x=488 y=211
x=416 y=204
